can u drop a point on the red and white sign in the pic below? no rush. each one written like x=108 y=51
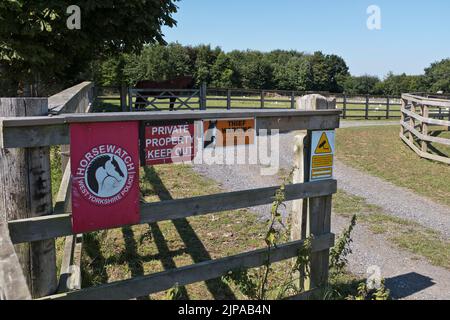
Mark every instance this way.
x=105 y=175
x=168 y=142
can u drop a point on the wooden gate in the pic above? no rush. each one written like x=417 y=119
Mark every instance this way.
x=20 y=133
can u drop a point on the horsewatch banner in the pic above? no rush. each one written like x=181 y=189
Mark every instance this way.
x=105 y=175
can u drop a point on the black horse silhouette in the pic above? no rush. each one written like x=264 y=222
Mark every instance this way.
x=101 y=162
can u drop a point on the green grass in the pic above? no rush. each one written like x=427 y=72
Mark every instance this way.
x=379 y=151
x=405 y=234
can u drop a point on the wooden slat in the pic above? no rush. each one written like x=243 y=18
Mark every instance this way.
x=63 y=196
x=69 y=100
x=8 y=122
x=13 y=285
x=424 y=137
x=21 y=132
x=60 y=225
x=144 y=285
x=427 y=101
x=70 y=276
x=423 y=154
x=426 y=120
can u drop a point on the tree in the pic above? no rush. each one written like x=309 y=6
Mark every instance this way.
x=438 y=76
x=222 y=72
x=254 y=69
x=157 y=62
x=36 y=44
x=397 y=84
x=365 y=84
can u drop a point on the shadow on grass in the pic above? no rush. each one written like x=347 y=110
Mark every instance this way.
x=96 y=264
x=194 y=245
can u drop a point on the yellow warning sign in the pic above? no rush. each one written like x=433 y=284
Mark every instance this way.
x=322 y=155
x=322 y=161
x=324 y=145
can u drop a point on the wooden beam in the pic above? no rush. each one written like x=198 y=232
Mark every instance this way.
x=25 y=191
x=426 y=120
x=22 y=132
x=425 y=137
x=70 y=100
x=13 y=285
x=424 y=154
x=70 y=275
x=145 y=285
x=60 y=225
x=428 y=101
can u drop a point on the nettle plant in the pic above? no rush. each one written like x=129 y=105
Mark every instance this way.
x=256 y=283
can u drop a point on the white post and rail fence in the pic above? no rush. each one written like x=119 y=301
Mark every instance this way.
x=423 y=120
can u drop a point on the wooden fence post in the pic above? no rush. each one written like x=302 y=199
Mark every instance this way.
x=412 y=122
x=12 y=281
x=123 y=97
x=262 y=99
x=25 y=191
x=228 y=99
x=310 y=217
x=319 y=219
x=202 y=96
x=130 y=99
x=402 y=117
x=292 y=100
x=366 y=116
x=388 y=105
x=424 y=127
x=344 y=110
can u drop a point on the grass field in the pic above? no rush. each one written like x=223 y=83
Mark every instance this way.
x=354 y=111
x=380 y=152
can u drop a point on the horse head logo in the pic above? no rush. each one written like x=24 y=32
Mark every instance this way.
x=105 y=176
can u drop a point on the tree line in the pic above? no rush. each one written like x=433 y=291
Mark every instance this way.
x=251 y=69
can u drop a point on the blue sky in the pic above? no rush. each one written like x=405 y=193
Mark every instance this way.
x=413 y=33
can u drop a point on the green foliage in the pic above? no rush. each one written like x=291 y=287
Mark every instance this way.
x=395 y=85
x=249 y=69
x=56 y=170
x=173 y=293
x=365 y=84
x=438 y=76
x=340 y=251
x=255 y=283
x=36 y=45
x=278 y=69
x=364 y=293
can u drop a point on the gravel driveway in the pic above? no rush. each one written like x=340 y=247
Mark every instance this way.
x=407 y=276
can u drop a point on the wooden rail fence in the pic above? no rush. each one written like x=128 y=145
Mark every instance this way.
x=422 y=121
x=40 y=132
x=353 y=106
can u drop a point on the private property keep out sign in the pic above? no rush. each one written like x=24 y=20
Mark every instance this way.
x=168 y=142
x=105 y=175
